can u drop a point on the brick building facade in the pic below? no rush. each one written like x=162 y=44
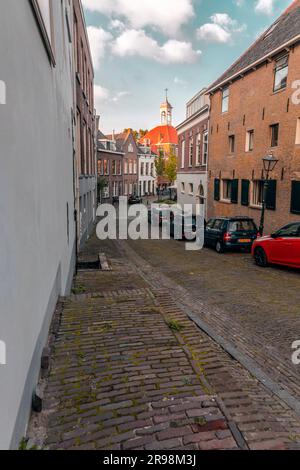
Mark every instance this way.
x=110 y=167
x=255 y=111
x=193 y=152
x=85 y=154
x=128 y=145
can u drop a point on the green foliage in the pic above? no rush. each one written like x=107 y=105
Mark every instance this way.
x=101 y=185
x=171 y=168
x=160 y=164
x=174 y=325
x=136 y=134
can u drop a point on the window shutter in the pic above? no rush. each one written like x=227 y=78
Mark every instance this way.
x=271 y=195
x=235 y=191
x=217 y=190
x=245 y=192
x=295 y=197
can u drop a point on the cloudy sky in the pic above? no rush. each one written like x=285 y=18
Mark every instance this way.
x=141 y=47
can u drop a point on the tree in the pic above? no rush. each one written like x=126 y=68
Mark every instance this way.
x=136 y=134
x=102 y=183
x=171 y=167
x=160 y=164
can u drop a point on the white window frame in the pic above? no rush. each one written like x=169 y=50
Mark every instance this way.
x=248 y=140
x=254 y=193
x=205 y=148
x=44 y=16
x=183 y=153
x=224 y=182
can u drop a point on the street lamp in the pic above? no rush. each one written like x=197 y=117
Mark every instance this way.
x=269 y=163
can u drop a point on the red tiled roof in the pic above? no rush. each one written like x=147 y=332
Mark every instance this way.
x=161 y=135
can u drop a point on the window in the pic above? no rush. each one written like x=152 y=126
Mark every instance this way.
x=182 y=153
x=205 y=148
x=226 y=190
x=249 y=141
x=114 y=167
x=142 y=169
x=295 y=197
x=106 y=167
x=274 y=135
x=100 y=167
x=198 y=152
x=182 y=187
x=281 y=73
x=297 y=141
x=291 y=230
x=130 y=148
x=257 y=195
x=241 y=226
x=191 y=151
x=125 y=167
x=231 y=144
x=225 y=100
x=191 y=188
x=43 y=11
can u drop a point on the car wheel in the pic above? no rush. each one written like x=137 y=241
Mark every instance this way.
x=219 y=248
x=260 y=257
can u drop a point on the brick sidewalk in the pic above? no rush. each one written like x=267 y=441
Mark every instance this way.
x=131 y=371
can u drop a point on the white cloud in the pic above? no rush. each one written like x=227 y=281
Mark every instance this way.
x=101 y=95
x=136 y=43
x=99 y=40
x=160 y=14
x=265 y=6
x=180 y=82
x=220 y=30
x=104 y=95
x=117 y=25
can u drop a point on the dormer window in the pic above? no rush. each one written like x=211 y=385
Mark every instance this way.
x=130 y=148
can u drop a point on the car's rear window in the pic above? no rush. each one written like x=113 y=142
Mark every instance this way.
x=241 y=226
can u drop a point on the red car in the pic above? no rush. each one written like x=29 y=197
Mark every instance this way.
x=282 y=247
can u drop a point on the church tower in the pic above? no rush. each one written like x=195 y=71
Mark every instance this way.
x=166 y=112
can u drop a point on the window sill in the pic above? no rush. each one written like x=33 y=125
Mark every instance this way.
x=225 y=201
x=254 y=206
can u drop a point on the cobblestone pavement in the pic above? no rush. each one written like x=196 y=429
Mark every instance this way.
x=130 y=370
x=256 y=310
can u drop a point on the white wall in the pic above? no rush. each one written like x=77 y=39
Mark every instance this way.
x=36 y=183
x=190 y=178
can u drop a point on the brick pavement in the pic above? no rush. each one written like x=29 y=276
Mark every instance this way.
x=130 y=370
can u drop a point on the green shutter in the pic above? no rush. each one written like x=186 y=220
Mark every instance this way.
x=235 y=191
x=295 y=197
x=217 y=190
x=245 y=192
x=271 y=195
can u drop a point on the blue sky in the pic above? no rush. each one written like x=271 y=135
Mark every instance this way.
x=141 y=47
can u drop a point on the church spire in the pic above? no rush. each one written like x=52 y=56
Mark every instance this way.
x=166 y=112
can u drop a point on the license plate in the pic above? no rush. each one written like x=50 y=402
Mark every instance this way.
x=245 y=240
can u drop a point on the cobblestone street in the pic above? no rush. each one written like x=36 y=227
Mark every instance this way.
x=131 y=370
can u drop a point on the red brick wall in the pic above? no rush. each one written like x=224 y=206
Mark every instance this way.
x=250 y=98
x=84 y=93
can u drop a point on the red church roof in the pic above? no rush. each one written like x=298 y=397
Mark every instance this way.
x=161 y=135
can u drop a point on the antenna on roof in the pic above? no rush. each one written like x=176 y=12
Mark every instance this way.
x=166 y=90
